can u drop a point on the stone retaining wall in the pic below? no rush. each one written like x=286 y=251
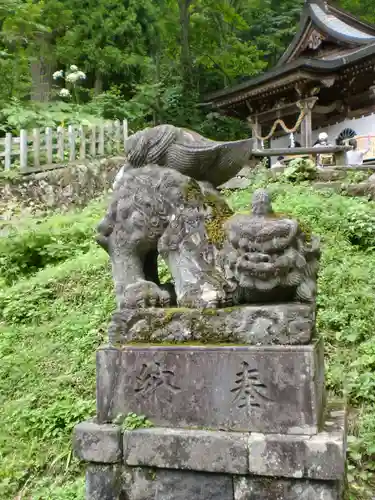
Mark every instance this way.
x=335 y=178
x=63 y=188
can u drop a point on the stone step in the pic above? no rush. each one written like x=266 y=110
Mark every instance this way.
x=271 y=389
x=178 y=463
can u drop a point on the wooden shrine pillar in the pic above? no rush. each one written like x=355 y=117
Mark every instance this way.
x=256 y=130
x=306 y=126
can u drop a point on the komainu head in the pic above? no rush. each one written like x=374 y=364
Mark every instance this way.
x=268 y=257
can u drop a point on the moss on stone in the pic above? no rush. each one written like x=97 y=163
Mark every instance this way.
x=192 y=192
x=209 y=312
x=306 y=230
x=221 y=212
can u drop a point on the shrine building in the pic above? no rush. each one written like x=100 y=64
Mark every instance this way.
x=324 y=82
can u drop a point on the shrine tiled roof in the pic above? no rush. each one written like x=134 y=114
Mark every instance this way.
x=320 y=66
x=349 y=40
x=339 y=27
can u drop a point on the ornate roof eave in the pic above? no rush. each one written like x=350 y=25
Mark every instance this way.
x=296 y=70
x=317 y=15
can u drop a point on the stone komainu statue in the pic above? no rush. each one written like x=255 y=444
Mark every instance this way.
x=267 y=257
x=215 y=258
x=187 y=152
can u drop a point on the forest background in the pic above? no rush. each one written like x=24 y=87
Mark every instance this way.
x=145 y=60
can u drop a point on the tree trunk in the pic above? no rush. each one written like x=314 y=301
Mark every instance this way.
x=42 y=68
x=98 y=86
x=41 y=80
x=185 y=57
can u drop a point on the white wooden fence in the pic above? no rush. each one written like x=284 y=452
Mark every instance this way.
x=44 y=148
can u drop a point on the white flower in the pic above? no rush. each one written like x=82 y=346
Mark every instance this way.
x=81 y=75
x=64 y=93
x=72 y=77
x=73 y=68
x=58 y=74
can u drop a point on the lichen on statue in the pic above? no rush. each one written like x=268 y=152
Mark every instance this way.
x=216 y=258
x=152 y=211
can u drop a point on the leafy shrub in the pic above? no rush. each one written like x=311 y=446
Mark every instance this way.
x=133 y=421
x=43 y=243
x=16 y=115
x=72 y=490
x=360 y=228
x=353 y=177
x=110 y=105
x=300 y=170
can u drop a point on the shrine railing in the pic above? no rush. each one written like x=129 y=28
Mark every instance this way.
x=337 y=151
x=262 y=153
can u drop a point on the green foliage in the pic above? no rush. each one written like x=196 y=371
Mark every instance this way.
x=70 y=490
x=223 y=128
x=300 y=170
x=346 y=301
x=353 y=177
x=53 y=318
x=43 y=243
x=16 y=115
x=133 y=421
x=138 y=62
x=360 y=228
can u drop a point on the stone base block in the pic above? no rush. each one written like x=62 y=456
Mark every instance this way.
x=178 y=464
x=149 y=484
x=284 y=324
x=272 y=389
x=249 y=488
x=320 y=457
x=104 y=482
x=98 y=443
x=115 y=483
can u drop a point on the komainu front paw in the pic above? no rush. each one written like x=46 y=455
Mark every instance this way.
x=203 y=296
x=144 y=294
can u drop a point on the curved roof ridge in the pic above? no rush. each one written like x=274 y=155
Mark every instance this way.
x=331 y=21
x=301 y=63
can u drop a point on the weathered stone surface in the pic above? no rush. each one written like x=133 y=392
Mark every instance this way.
x=63 y=188
x=330 y=174
x=187 y=151
x=98 y=443
x=196 y=450
x=237 y=182
x=275 y=389
x=335 y=185
x=103 y=482
x=149 y=484
x=284 y=324
x=320 y=457
x=315 y=457
x=360 y=189
x=249 y=488
x=247 y=171
x=276 y=171
x=215 y=258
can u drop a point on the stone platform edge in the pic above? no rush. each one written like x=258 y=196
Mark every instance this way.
x=318 y=457
x=289 y=323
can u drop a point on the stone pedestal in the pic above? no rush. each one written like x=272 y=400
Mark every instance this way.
x=242 y=417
